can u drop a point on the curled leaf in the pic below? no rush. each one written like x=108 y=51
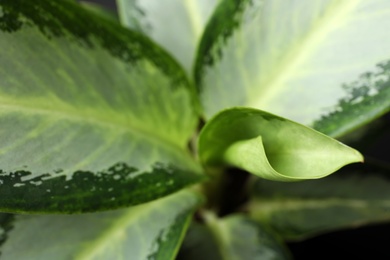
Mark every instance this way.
x=271 y=147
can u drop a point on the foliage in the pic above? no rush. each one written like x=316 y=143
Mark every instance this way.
x=139 y=128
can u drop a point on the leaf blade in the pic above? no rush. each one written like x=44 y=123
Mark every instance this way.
x=369 y=95
x=108 y=235
x=260 y=242
x=74 y=100
x=176 y=25
x=291 y=58
x=271 y=147
x=297 y=211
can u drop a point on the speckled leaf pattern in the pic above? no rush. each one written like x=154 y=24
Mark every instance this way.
x=93 y=116
x=301 y=210
x=176 y=25
x=270 y=146
x=149 y=231
x=298 y=59
x=368 y=98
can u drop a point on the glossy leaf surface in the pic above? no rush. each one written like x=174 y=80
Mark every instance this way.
x=149 y=231
x=236 y=237
x=293 y=58
x=300 y=210
x=271 y=147
x=93 y=116
x=177 y=25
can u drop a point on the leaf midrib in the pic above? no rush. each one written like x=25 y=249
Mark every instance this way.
x=194 y=18
x=119 y=226
x=299 y=53
x=131 y=216
x=83 y=118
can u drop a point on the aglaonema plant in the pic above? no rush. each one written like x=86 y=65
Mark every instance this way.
x=97 y=119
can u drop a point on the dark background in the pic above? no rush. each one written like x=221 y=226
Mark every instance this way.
x=369 y=242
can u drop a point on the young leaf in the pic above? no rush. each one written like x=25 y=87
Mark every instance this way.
x=150 y=231
x=93 y=116
x=236 y=237
x=271 y=147
x=177 y=25
x=292 y=58
x=300 y=210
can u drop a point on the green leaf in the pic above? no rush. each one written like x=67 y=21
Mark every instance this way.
x=236 y=237
x=199 y=243
x=100 y=10
x=149 y=231
x=271 y=147
x=293 y=58
x=176 y=25
x=299 y=210
x=93 y=116
x=368 y=98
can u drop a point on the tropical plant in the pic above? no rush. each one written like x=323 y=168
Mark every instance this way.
x=203 y=148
